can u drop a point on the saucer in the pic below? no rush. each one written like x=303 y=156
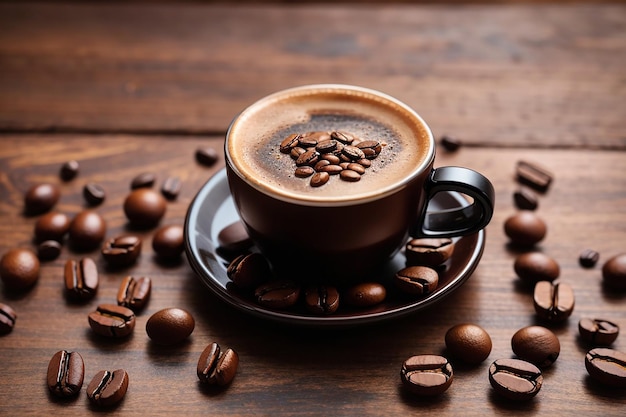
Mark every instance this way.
x=213 y=209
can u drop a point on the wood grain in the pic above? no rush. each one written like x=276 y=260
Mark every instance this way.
x=507 y=75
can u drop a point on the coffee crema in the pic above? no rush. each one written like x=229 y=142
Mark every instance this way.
x=254 y=139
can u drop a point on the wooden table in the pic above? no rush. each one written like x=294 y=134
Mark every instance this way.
x=130 y=88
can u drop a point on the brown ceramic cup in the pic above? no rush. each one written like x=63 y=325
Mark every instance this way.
x=343 y=231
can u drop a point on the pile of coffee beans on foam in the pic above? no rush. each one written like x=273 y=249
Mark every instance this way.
x=144 y=208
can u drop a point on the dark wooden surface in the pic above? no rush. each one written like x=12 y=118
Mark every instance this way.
x=126 y=89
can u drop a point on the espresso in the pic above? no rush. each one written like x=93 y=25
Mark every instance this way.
x=254 y=141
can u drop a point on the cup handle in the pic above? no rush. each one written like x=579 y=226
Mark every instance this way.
x=457 y=221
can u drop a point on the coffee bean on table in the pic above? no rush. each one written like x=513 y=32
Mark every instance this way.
x=121 y=251
x=217 y=367
x=170 y=326
x=134 y=293
x=525 y=228
x=248 y=271
x=112 y=321
x=278 y=294
x=515 y=379
x=19 y=269
x=428 y=251
x=536 y=266
x=450 y=143
x=40 y=198
x=87 y=230
x=468 y=342
x=52 y=226
x=144 y=207
x=365 y=294
x=206 y=156
x=533 y=175
x=94 y=194
x=588 y=258
x=416 y=280
x=525 y=199
x=234 y=238
x=614 y=272
x=607 y=366
x=7 y=319
x=143 y=180
x=598 y=332
x=108 y=388
x=426 y=375
x=321 y=299
x=537 y=345
x=553 y=302
x=81 y=279
x=171 y=188
x=48 y=250
x=69 y=170
x=169 y=242
x=66 y=372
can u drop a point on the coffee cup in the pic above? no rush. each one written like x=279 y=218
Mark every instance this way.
x=327 y=228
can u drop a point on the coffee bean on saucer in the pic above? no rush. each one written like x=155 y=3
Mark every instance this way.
x=533 y=267
x=588 y=258
x=234 y=238
x=143 y=180
x=144 y=207
x=69 y=170
x=525 y=199
x=278 y=294
x=319 y=178
x=121 y=251
x=365 y=294
x=428 y=251
x=607 y=366
x=533 y=175
x=468 y=342
x=108 y=388
x=52 y=226
x=66 y=372
x=304 y=172
x=537 y=345
x=81 y=279
x=169 y=241
x=416 y=280
x=48 y=250
x=598 y=332
x=207 y=156
x=349 y=175
x=7 y=319
x=321 y=299
x=113 y=321
x=217 y=367
x=553 y=301
x=19 y=269
x=171 y=188
x=40 y=198
x=515 y=379
x=525 y=228
x=94 y=194
x=170 y=326
x=426 y=375
x=249 y=271
x=134 y=293
x=614 y=272
x=87 y=229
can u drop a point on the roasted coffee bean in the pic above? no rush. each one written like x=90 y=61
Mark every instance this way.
x=19 y=269
x=121 y=251
x=143 y=180
x=332 y=158
x=468 y=343
x=308 y=141
x=356 y=167
x=134 y=293
x=207 y=156
x=614 y=272
x=69 y=170
x=171 y=188
x=277 y=294
x=144 y=207
x=366 y=163
x=426 y=375
x=371 y=148
x=331 y=169
x=217 y=367
x=309 y=157
x=525 y=199
x=108 y=388
x=169 y=241
x=343 y=137
x=450 y=143
x=249 y=271
x=533 y=175
x=349 y=175
x=304 y=171
x=326 y=146
x=553 y=302
x=66 y=372
x=607 y=366
x=48 y=250
x=320 y=164
x=319 y=178
x=515 y=379
x=87 y=229
x=428 y=251
x=365 y=294
x=588 y=258
x=289 y=143
x=525 y=228
x=81 y=279
x=170 y=326
x=352 y=153
x=94 y=194
x=7 y=319
x=321 y=300
x=533 y=267
x=536 y=345
x=40 y=198
x=52 y=226
x=111 y=320
x=598 y=332
x=416 y=280
x=234 y=238
x=296 y=152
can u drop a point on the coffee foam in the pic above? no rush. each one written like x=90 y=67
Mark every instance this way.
x=255 y=135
